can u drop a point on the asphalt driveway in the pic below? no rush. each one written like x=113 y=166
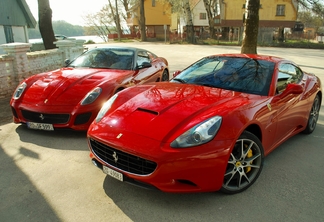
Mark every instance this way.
x=48 y=176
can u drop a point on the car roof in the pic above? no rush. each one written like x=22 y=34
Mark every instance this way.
x=274 y=59
x=121 y=47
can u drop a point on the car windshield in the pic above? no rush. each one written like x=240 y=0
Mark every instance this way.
x=105 y=58
x=232 y=73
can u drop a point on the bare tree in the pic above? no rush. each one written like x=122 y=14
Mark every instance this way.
x=142 y=23
x=100 y=23
x=309 y=19
x=108 y=19
x=316 y=6
x=190 y=27
x=45 y=24
x=183 y=9
x=115 y=15
x=127 y=5
x=251 y=27
x=210 y=6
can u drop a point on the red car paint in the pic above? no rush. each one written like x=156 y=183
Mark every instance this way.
x=61 y=91
x=144 y=121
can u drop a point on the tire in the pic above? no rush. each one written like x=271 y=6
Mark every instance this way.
x=244 y=165
x=313 y=116
x=165 y=76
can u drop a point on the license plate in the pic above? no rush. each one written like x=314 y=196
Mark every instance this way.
x=112 y=173
x=40 y=126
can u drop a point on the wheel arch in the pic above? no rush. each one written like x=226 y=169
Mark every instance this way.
x=256 y=130
x=165 y=69
x=320 y=95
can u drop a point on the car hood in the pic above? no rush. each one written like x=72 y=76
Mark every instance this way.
x=159 y=110
x=68 y=86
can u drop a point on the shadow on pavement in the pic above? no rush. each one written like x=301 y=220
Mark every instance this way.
x=20 y=199
x=60 y=139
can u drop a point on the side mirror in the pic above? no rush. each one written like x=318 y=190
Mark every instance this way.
x=67 y=62
x=176 y=73
x=292 y=88
x=144 y=65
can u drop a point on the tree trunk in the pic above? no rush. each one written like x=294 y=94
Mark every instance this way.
x=142 y=21
x=281 y=34
x=251 y=27
x=116 y=18
x=45 y=24
x=118 y=22
x=190 y=27
x=209 y=5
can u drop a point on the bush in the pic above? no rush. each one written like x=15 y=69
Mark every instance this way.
x=89 y=42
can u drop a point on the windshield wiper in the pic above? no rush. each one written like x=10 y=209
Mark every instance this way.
x=204 y=84
x=179 y=80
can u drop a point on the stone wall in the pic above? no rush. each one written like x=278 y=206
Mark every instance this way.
x=19 y=63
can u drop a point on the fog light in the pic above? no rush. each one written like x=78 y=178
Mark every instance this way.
x=94 y=163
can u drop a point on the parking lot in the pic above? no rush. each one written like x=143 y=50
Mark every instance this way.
x=48 y=176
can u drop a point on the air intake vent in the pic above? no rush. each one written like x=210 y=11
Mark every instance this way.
x=148 y=111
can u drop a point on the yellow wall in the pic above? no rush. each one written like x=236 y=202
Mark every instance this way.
x=268 y=10
x=158 y=15
x=234 y=10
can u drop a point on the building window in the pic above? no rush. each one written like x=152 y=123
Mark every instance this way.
x=202 y=16
x=280 y=10
x=153 y=3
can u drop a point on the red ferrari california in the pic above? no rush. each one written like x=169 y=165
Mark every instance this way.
x=207 y=129
x=72 y=96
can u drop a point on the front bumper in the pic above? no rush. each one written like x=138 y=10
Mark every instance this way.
x=61 y=117
x=196 y=169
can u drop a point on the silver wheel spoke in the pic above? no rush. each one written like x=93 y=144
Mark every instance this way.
x=314 y=113
x=243 y=165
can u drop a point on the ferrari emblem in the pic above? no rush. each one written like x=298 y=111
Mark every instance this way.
x=41 y=116
x=119 y=135
x=115 y=157
x=269 y=106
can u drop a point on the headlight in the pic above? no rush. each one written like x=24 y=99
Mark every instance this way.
x=199 y=134
x=19 y=91
x=106 y=107
x=91 y=96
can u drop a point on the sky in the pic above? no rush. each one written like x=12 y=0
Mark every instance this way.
x=70 y=11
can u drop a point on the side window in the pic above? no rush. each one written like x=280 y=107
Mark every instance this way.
x=299 y=75
x=142 y=57
x=288 y=73
x=152 y=56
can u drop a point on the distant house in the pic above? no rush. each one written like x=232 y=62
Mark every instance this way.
x=273 y=14
x=228 y=22
x=15 y=19
x=157 y=18
x=199 y=19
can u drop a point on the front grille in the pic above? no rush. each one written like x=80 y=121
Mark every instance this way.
x=82 y=118
x=45 y=118
x=125 y=161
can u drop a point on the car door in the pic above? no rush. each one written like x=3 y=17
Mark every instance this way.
x=148 y=70
x=287 y=105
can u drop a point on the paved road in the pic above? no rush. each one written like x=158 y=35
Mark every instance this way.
x=48 y=176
